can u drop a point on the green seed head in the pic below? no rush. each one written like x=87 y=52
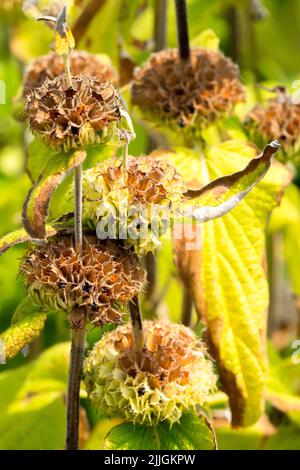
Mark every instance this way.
x=172 y=374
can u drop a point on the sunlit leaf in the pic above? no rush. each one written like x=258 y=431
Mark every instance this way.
x=225 y=271
x=26 y=325
x=36 y=207
x=32 y=402
x=192 y=433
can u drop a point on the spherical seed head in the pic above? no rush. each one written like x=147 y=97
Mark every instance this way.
x=81 y=63
x=138 y=202
x=187 y=95
x=171 y=374
x=69 y=117
x=279 y=120
x=99 y=280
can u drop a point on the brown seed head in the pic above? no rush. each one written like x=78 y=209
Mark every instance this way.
x=72 y=117
x=81 y=63
x=98 y=280
x=279 y=120
x=187 y=94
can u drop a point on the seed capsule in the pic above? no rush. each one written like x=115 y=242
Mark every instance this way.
x=97 y=281
x=187 y=95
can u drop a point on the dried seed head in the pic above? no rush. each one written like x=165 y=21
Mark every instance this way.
x=190 y=95
x=81 y=63
x=280 y=120
x=132 y=201
x=170 y=375
x=99 y=280
x=86 y=113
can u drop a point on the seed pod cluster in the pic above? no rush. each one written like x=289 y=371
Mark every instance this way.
x=171 y=374
x=81 y=63
x=187 y=95
x=99 y=280
x=69 y=117
x=279 y=119
x=139 y=199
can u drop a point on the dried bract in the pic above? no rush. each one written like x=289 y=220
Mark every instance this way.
x=279 y=119
x=69 y=117
x=187 y=95
x=98 y=280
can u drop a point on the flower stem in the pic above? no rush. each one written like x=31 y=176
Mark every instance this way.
x=78 y=334
x=137 y=324
x=73 y=396
x=159 y=34
x=68 y=70
x=78 y=207
x=182 y=30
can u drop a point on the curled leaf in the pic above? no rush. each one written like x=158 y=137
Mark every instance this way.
x=26 y=325
x=36 y=207
x=20 y=236
x=221 y=195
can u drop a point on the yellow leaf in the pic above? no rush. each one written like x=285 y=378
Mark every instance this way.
x=226 y=273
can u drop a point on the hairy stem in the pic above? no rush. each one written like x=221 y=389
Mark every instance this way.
x=187 y=308
x=78 y=207
x=159 y=34
x=182 y=30
x=137 y=324
x=73 y=404
x=78 y=334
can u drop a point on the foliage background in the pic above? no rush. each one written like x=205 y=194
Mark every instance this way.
x=32 y=386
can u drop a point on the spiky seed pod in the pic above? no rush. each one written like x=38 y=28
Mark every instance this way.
x=72 y=117
x=81 y=63
x=171 y=374
x=98 y=280
x=136 y=204
x=187 y=95
x=280 y=120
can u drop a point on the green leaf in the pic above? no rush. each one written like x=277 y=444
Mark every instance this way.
x=192 y=433
x=20 y=236
x=36 y=207
x=280 y=392
x=32 y=402
x=225 y=271
x=207 y=39
x=287 y=438
x=221 y=195
x=26 y=325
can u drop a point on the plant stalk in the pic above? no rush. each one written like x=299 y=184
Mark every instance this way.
x=137 y=324
x=159 y=34
x=73 y=396
x=78 y=334
x=78 y=207
x=182 y=30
